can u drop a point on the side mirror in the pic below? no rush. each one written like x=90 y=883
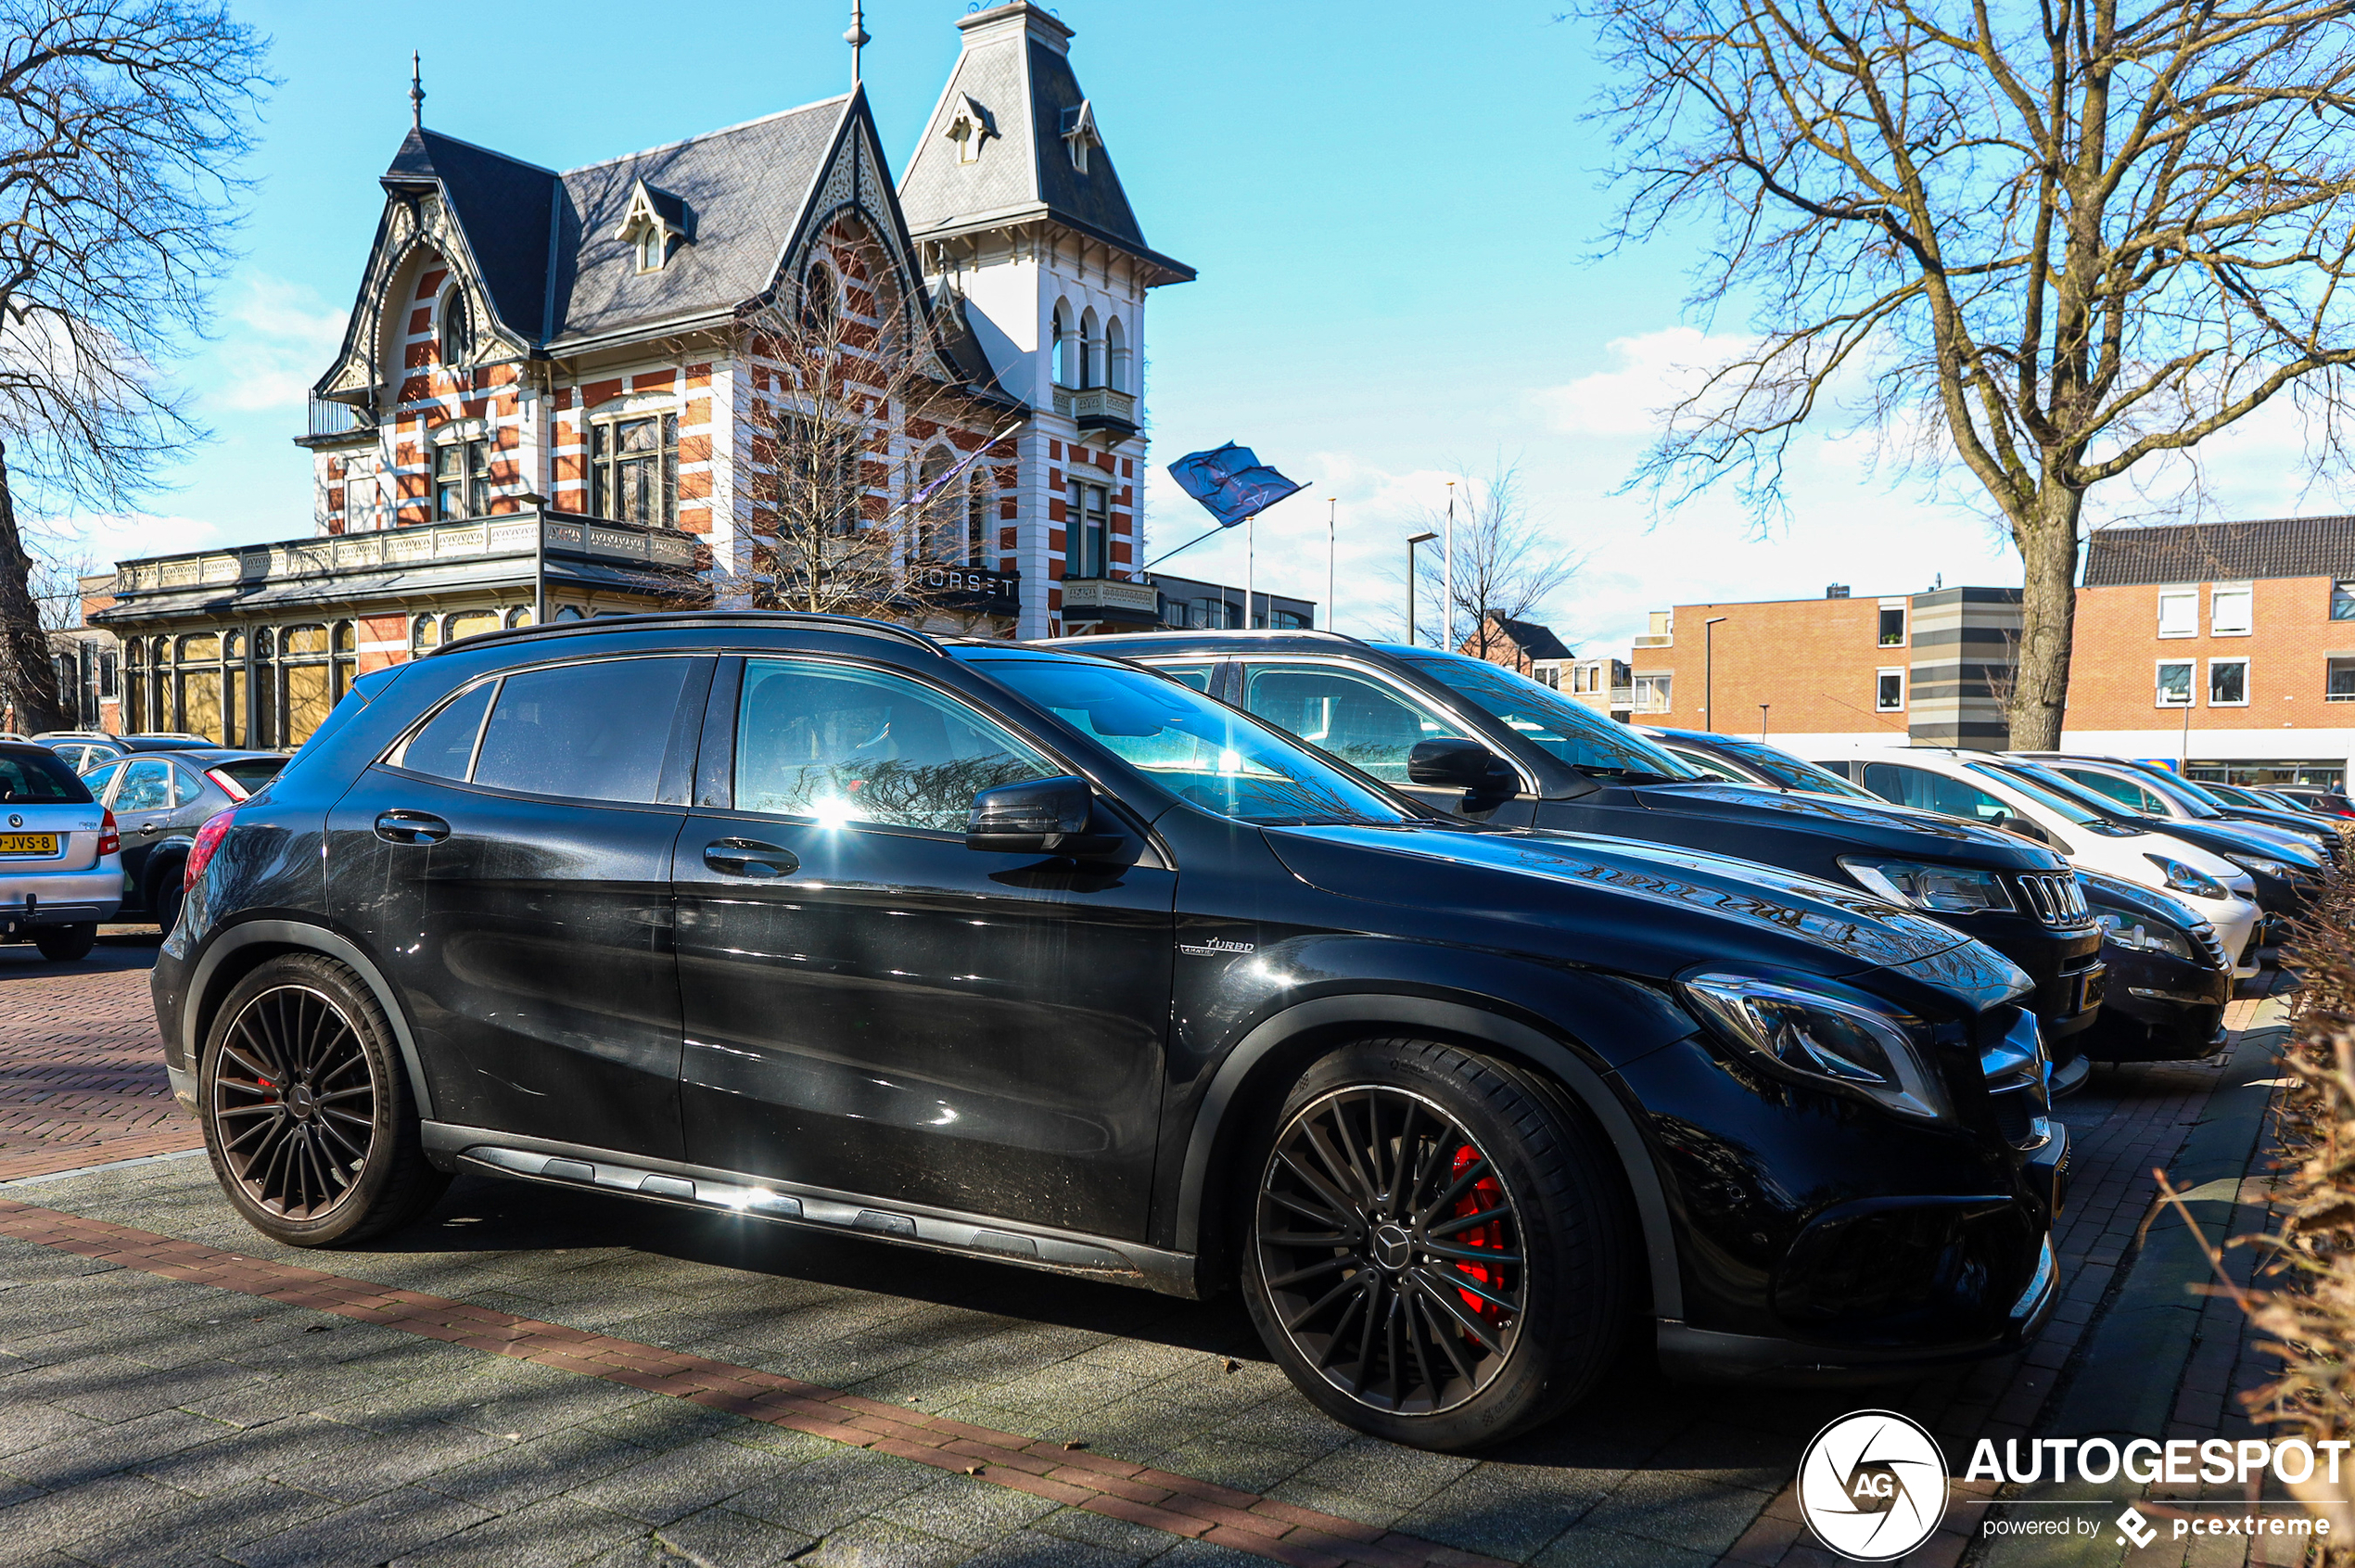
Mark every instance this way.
x=1039 y=817
x=1487 y=779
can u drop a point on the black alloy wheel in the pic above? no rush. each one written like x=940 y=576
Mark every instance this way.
x=1391 y=1249
x=307 y=1109
x=295 y=1097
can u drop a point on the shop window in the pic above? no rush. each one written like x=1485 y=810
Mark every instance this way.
x=2179 y=612
x=2228 y=682
x=306 y=683
x=2175 y=683
x=2229 y=609
x=633 y=469
x=470 y=623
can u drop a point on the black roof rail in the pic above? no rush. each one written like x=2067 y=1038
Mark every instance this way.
x=809 y=619
x=1175 y=633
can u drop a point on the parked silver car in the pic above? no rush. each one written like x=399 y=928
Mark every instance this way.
x=60 y=857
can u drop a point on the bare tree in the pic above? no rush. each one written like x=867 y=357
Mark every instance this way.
x=1507 y=566
x=2051 y=243
x=863 y=476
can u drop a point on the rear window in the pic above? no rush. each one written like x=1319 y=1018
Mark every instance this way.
x=38 y=777
x=252 y=772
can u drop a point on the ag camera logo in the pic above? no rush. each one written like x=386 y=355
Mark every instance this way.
x=1872 y=1485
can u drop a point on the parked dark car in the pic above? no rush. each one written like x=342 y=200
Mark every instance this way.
x=2322 y=802
x=2160 y=791
x=1035 y=956
x=84 y=749
x=1480 y=741
x=1755 y=762
x=2169 y=977
x=159 y=800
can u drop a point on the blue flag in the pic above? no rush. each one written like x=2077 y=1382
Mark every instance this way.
x=1230 y=483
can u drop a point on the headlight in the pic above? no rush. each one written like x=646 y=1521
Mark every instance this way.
x=2258 y=865
x=2128 y=931
x=1827 y=1039
x=1943 y=890
x=2183 y=879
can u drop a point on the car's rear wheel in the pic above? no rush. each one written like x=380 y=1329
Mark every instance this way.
x=64 y=944
x=1438 y=1247
x=165 y=897
x=307 y=1112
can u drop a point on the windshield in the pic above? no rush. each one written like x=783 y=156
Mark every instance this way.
x=1572 y=730
x=1793 y=774
x=1208 y=754
x=2071 y=804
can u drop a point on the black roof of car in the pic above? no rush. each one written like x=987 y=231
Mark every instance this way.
x=685 y=619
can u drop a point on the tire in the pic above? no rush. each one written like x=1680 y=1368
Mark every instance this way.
x=307 y=1111
x=65 y=944
x=1491 y=1159
x=164 y=899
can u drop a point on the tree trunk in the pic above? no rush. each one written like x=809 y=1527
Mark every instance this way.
x=28 y=674
x=2047 y=541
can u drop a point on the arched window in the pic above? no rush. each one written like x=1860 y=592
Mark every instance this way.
x=1091 y=357
x=519 y=616
x=819 y=297
x=936 y=517
x=426 y=633
x=981 y=510
x=456 y=325
x=1116 y=357
x=1066 y=347
x=568 y=612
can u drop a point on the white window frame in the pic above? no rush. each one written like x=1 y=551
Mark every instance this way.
x=2243 y=661
x=2191 y=683
x=1880 y=675
x=2329 y=659
x=2249 y=596
x=2191 y=627
x=1904 y=623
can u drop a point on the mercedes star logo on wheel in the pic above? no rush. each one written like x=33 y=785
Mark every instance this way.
x=1872 y=1485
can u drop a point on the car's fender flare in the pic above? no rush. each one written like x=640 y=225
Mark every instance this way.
x=311 y=939
x=1396 y=1013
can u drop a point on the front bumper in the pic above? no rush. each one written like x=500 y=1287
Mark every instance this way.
x=59 y=897
x=2065 y=965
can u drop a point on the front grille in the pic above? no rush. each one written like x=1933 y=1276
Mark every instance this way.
x=2013 y=1117
x=2211 y=946
x=2054 y=899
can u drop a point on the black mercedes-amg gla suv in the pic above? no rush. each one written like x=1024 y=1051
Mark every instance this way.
x=1040 y=957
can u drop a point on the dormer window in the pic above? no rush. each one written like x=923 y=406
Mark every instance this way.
x=969 y=127
x=1079 y=132
x=654 y=226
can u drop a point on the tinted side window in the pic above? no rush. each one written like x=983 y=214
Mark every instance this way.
x=146 y=786
x=445 y=747
x=848 y=745
x=1359 y=721
x=1932 y=792
x=1195 y=675
x=2134 y=797
x=585 y=732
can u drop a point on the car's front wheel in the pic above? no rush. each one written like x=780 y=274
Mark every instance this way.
x=1439 y=1247
x=307 y=1112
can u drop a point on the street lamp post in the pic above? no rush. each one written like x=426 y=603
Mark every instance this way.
x=1330 y=503
x=1447 y=578
x=1708 y=673
x=1413 y=540
x=1762 y=724
x=539 y=504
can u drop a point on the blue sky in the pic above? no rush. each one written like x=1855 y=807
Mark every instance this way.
x=1393 y=209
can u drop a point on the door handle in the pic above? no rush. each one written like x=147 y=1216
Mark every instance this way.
x=749 y=857
x=411 y=827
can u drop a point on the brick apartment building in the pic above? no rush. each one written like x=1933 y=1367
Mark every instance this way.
x=545 y=381
x=2225 y=646
x=1813 y=674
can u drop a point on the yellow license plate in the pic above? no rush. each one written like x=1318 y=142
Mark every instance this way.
x=28 y=843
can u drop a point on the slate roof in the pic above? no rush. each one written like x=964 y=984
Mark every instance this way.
x=1535 y=641
x=501 y=204
x=2221 y=552
x=1015 y=66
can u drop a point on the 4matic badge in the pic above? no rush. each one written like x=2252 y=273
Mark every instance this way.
x=1872 y=1485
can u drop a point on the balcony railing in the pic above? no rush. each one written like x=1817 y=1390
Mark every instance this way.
x=567 y=534
x=332 y=418
x=1097 y=408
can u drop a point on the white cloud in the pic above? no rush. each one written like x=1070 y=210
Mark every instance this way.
x=1650 y=371
x=278 y=339
x=101 y=540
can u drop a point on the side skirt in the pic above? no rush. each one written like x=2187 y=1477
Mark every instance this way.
x=453 y=1147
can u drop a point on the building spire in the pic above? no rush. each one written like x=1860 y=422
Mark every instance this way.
x=416 y=94
x=857 y=38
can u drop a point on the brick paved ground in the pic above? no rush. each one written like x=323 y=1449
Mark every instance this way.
x=80 y=1078
x=146 y=1419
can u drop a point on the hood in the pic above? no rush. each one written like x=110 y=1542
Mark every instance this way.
x=2226 y=836
x=2151 y=905
x=1637 y=908
x=1893 y=830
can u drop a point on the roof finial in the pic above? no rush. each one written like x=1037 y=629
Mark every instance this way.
x=857 y=38
x=416 y=94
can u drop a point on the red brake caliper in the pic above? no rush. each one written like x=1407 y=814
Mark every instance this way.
x=1487 y=1193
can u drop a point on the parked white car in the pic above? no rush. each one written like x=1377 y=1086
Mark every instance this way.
x=1996 y=793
